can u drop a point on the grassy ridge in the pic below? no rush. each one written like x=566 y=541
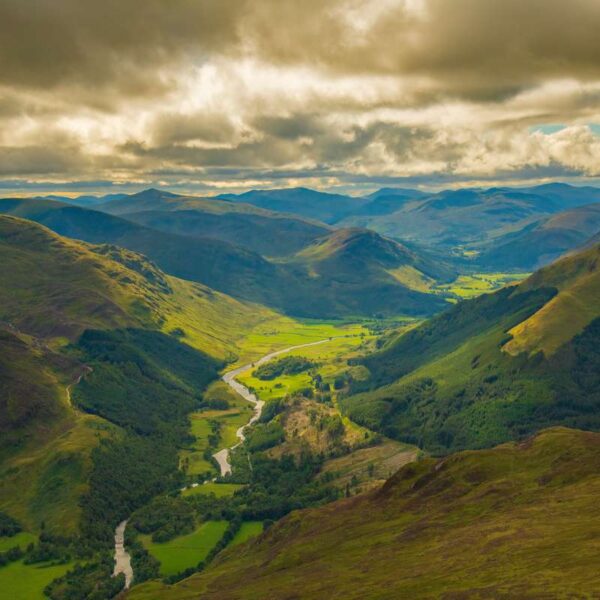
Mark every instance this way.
x=517 y=521
x=462 y=381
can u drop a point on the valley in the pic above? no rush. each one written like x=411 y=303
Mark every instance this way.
x=178 y=396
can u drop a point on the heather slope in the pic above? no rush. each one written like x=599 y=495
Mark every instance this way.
x=517 y=521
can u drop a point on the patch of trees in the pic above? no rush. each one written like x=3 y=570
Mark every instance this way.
x=288 y=365
x=265 y=436
x=8 y=525
x=165 y=518
x=91 y=581
x=141 y=379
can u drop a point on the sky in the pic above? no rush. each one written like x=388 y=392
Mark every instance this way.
x=212 y=96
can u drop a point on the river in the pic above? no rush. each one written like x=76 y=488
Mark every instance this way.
x=122 y=557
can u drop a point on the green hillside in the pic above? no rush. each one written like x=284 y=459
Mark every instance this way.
x=517 y=521
x=373 y=274
x=289 y=286
x=137 y=335
x=494 y=368
x=542 y=242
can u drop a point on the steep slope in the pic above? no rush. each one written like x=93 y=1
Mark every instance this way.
x=136 y=335
x=518 y=521
x=328 y=208
x=258 y=230
x=542 y=242
x=470 y=217
x=494 y=368
x=217 y=264
x=287 y=286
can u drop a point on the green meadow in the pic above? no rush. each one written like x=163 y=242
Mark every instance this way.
x=22 y=540
x=331 y=357
x=220 y=490
x=249 y=529
x=471 y=286
x=185 y=551
x=27 y=582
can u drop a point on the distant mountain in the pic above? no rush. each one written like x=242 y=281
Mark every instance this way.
x=471 y=217
x=266 y=232
x=383 y=202
x=86 y=201
x=328 y=208
x=398 y=192
x=495 y=368
x=288 y=286
x=365 y=270
x=512 y=522
x=544 y=241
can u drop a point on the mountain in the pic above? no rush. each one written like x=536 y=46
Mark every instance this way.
x=144 y=345
x=543 y=241
x=494 y=368
x=288 y=286
x=217 y=264
x=516 y=521
x=472 y=217
x=361 y=265
x=262 y=231
x=328 y=208
x=86 y=201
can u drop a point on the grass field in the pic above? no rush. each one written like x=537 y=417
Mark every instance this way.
x=27 y=582
x=22 y=540
x=220 y=490
x=249 y=529
x=187 y=550
x=238 y=414
x=470 y=286
x=332 y=356
x=285 y=332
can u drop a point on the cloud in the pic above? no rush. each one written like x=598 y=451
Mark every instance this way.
x=235 y=92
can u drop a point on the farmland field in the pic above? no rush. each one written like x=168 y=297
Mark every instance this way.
x=220 y=490
x=185 y=551
x=27 y=582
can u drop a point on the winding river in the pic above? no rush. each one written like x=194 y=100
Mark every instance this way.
x=222 y=456
x=122 y=557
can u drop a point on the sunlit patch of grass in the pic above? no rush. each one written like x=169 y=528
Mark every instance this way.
x=185 y=551
x=27 y=582
x=471 y=286
x=249 y=529
x=220 y=490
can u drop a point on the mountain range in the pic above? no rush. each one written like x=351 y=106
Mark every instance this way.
x=291 y=285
